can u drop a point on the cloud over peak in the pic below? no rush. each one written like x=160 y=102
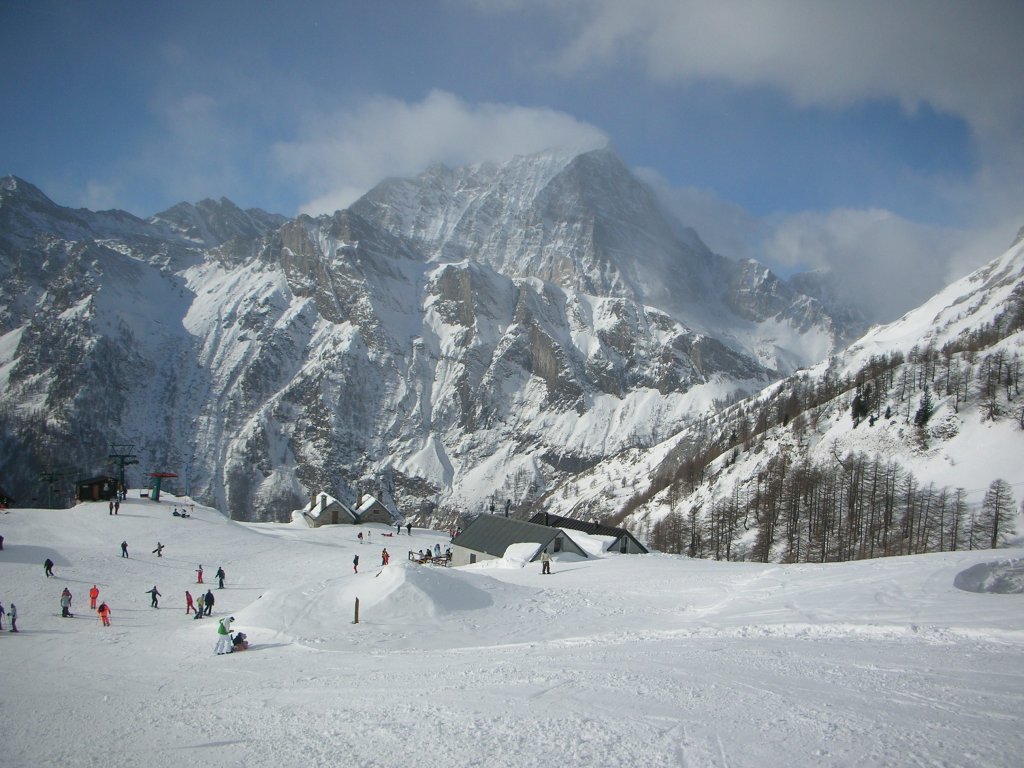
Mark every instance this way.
x=341 y=155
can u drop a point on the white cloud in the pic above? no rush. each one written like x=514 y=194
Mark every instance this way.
x=885 y=264
x=343 y=154
x=961 y=58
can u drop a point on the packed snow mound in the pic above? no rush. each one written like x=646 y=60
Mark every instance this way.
x=1005 y=577
x=402 y=593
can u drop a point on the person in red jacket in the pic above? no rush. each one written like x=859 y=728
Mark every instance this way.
x=93 y=594
x=104 y=611
x=189 y=605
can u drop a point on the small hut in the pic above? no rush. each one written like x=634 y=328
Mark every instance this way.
x=100 y=488
x=489 y=536
x=619 y=539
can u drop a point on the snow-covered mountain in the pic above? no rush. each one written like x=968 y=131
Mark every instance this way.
x=586 y=223
x=893 y=446
x=477 y=333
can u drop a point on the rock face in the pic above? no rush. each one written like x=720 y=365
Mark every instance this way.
x=469 y=334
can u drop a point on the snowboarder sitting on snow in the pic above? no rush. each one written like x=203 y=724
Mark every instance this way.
x=239 y=642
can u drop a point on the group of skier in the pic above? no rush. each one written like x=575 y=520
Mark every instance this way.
x=204 y=608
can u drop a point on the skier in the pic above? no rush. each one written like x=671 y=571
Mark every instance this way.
x=220 y=578
x=208 y=599
x=159 y=551
x=199 y=574
x=124 y=549
x=93 y=594
x=355 y=564
x=65 y=604
x=48 y=567
x=384 y=556
x=104 y=612
x=153 y=594
x=189 y=605
x=13 y=614
x=224 y=636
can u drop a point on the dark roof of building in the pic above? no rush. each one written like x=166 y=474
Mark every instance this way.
x=594 y=528
x=494 y=534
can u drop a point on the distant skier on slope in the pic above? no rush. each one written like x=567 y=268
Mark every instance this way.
x=220 y=578
x=154 y=594
x=93 y=594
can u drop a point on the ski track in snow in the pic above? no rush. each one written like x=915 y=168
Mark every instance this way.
x=614 y=661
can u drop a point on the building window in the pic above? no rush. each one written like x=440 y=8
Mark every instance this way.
x=558 y=544
x=472 y=558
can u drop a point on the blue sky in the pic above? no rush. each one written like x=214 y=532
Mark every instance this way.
x=872 y=137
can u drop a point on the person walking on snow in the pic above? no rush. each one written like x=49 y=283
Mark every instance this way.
x=545 y=562
x=65 y=604
x=93 y=594
x=48 y=567
x=159 y=551
x=154 y=594
x=224 y=636
x=13 y=614
x=384 y=556
x=2 y=612
x=360 y=537
x=199 y=574
x=104 y=612
x=208 y=599
x=355 y=564
x=220 y=578
x=110 y=508
x=117 y=508
x=189 y=605
x=124 y=549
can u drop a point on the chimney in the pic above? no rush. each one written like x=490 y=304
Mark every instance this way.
x=323 y=501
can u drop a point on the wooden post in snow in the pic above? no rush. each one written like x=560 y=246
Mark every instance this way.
x=357 y=612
